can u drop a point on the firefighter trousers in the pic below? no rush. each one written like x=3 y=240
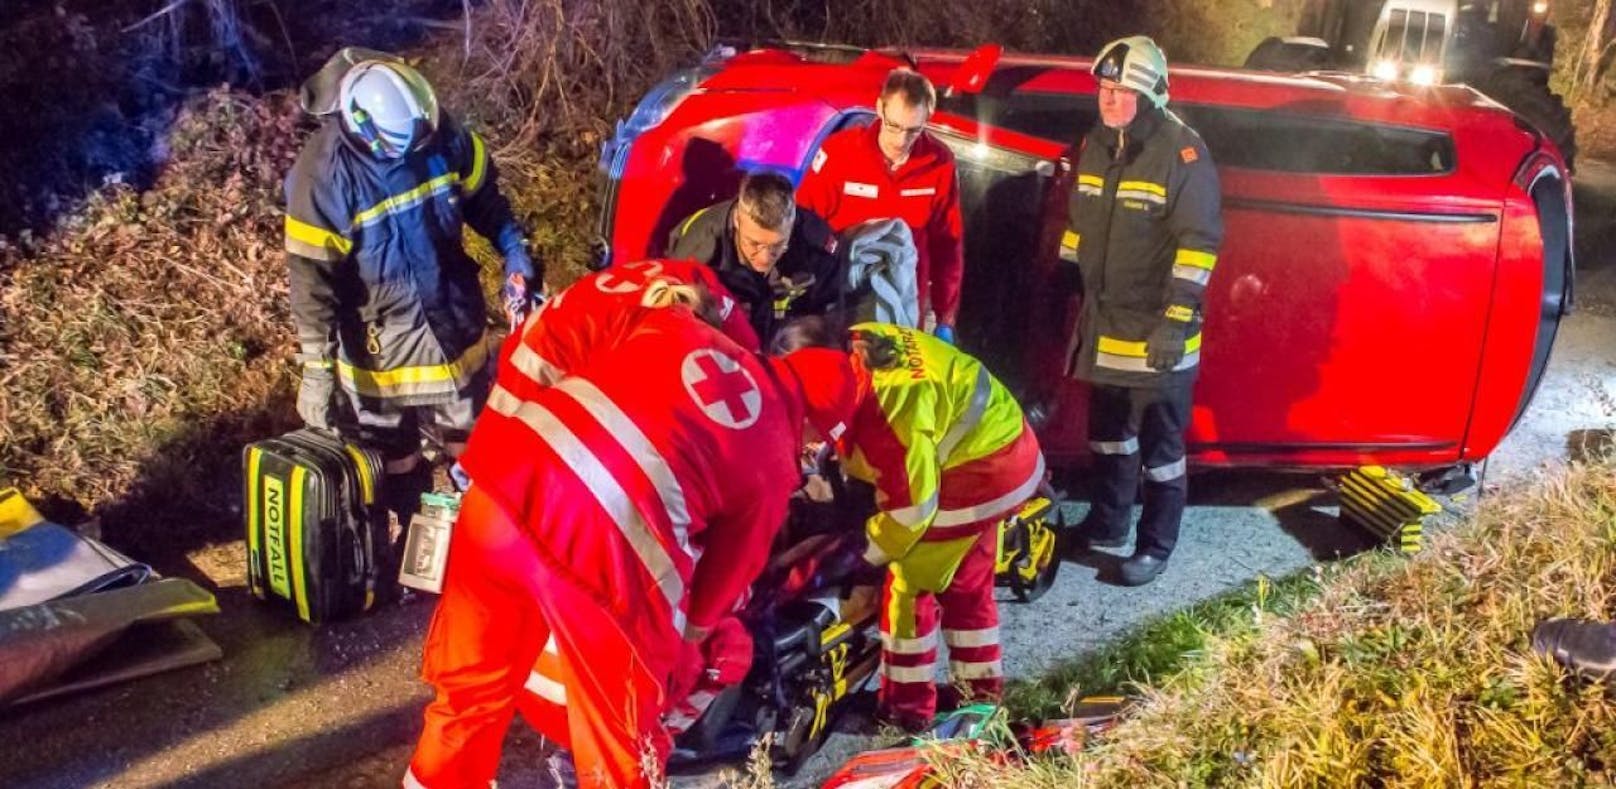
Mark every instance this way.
x=488 y=632
x=1135 y=431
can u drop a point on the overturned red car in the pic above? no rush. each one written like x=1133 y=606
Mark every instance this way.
x=1396 y=262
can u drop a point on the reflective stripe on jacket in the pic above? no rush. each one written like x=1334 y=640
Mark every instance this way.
x=938 y=409
x=380 y=283
x=1144 y=225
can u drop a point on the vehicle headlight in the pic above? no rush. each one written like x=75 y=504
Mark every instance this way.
x=661 y=102
x=1423 y=75
x=1385 y=70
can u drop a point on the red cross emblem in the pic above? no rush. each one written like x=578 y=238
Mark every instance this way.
x=723 y=388
x=629 y=278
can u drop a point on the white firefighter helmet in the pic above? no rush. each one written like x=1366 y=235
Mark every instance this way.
x=1138 y=64
x=388 y=107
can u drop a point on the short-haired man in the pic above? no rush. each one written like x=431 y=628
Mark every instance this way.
x=777 y=259
x=894 y=168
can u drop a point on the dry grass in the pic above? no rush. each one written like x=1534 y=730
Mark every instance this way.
x=1390 y=673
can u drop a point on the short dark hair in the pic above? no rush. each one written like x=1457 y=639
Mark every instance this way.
x=912 y=85
x=768 y=198
x=877 y=351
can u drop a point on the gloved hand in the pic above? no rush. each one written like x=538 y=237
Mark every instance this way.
x=844 y=563
x=944 y=332
x=315 y=394
x=687 y=671
x=1164 y=349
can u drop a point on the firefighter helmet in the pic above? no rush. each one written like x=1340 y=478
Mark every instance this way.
x=388 y=107
x=1138 y=64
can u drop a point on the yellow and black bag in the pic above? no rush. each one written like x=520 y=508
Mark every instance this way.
x=317 y=537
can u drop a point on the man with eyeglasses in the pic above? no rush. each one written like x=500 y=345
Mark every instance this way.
x=893 y=168
x=776 y=258
x=1143 y=229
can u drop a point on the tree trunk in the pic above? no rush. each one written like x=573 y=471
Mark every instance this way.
x=1593 y=49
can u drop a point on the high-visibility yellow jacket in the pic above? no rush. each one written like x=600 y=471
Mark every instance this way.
x=935 y=415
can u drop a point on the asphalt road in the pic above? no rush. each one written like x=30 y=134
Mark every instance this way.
x=289 y=706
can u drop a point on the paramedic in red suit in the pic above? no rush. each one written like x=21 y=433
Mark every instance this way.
x=623 y=511
x=594 y=313
x=894 y=168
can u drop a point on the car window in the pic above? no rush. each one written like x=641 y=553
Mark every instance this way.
x=1252 y=139
x=1286 y=142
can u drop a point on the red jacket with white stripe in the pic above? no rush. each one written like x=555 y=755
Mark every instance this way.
x=678 y=438
x=595 y=313
x=849 y=182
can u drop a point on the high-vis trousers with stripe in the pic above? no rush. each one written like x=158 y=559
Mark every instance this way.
x=487 y=634
x=969 y=626
x=1134 y=431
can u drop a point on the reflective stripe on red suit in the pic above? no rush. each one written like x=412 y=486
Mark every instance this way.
x=646 y=489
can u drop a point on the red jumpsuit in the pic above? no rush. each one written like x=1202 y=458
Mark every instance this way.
x=628 y=504
x=849 y=182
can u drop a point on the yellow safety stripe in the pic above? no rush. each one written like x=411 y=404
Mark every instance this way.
x=685 y=228
x=1090 y=180
x=1198 y=259
x=413 y=380
x=479 y=165
x=1142 y=186
x=404 y=200
x=1069 y=240
x=254 y=456
x=367 y=483
x=300 y=591
x=314 y=242
x=1180 y=313
x=1118 y=347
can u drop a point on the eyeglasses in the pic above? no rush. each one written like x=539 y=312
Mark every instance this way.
x=906 y=131
x=750 y=247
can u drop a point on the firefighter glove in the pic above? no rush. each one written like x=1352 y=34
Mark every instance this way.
x=315 y=395
x=1165 y=347
x=844 y=564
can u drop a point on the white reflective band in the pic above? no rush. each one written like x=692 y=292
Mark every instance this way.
x=1068 y=254
x=913 y=516
x=1199 y=276
x=529 y=363
x=997 y=506
x=411 y=782
x=907 y=675
x=1132 y=194
x=1087 y=189
x=986 y=637
x=969 y=671
x=550 y=646
x=607 y=491
x=1135 y=364
x=922 y=192
x=546 y=688
x=909 y=646
x=1167 y=473
x=978 y=405
x=640 y=448
x=1127 y=447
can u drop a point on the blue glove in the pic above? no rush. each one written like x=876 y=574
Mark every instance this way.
x=944 y=332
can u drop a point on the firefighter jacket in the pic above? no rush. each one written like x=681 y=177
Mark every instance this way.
x=684 y=442
x=596 y=313
x=929 y=417
x=849 y=182
x=380 y=283
x=1143 y=226
x=807 y=280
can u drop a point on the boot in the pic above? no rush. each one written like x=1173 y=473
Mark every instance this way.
x=1586 y=647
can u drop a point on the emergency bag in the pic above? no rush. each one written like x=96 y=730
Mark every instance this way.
x=317 y=536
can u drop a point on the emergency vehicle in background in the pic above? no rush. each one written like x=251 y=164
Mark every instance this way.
x=1396 y=263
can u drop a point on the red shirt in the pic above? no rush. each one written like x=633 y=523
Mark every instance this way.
x=849 y=182
x=653 y=478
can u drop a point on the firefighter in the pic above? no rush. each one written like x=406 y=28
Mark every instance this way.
x=616 y=517
x=949 y=453
x=777 y=258
x=1143 y=229
x=894 y=168
x=386 y=301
